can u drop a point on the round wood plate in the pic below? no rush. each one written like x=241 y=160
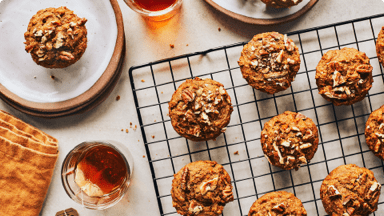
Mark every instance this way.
x=260 y=21
x=80 y=109
x=68 y=106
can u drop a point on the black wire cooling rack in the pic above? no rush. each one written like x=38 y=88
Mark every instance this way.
x=341 y=129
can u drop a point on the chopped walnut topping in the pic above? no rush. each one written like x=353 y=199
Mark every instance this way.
x=280 y=56
x=281 y=159
x=350 y=210
x=346 y=200
x=223 y=130
x=295 y=129
x=337 y=79
x=376 y=148
x=59 y=41
x=66 y=56
x=38 y=33
x=290 y=159
x=303 y=160
x=286 y=144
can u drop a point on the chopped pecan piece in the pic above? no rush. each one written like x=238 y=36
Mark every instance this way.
x=208 y=186
x=333 y=192
x=280 y=56
x=286 y=144
x=188 y=96
x=194 y=207
x=305 y=146
x=227 y=193
x=280 y=208
x=66 y=56
x=364 y=69
x=184 y=179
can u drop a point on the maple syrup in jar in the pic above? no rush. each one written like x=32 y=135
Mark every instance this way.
x=154 y=5
x=97 y=174
x=156 y=10
x=101 y=170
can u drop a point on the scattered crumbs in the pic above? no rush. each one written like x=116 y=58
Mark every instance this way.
x=52 y=77
x=135 y=127
x=236 y=152
x=117 y=97
x=154 y=120
x=219 y=29
x=187 y=45
x=142 y=80
x=34 y=77
x=167 y=114
x=172 y=45
x=235 y=137
x=143 y=156
x=153 y=136
x=126 y=131
x=122 y=129
x=130 y=124
x=161 y=92
x=138 y=140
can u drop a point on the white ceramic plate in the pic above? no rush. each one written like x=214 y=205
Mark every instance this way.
x=23 y=77
x=257 y=9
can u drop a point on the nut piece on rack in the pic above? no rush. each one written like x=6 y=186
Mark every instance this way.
x=201 y=188
x=281 y=3
x=344 y=76
x=289 y=140
x=56 y=37
x=374 y=132
x=277 y=203
x=350 y=190
x=269 y=62
x=200 y=109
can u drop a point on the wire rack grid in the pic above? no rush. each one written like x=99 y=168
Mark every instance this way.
x=341 y=129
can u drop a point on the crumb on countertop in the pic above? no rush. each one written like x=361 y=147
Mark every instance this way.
x=142 y=80
x=126 y=130
x=153 y=136
x=117 y=97
x=219 y=29
x=172 y=45
x=52 y=77
x=236 y=152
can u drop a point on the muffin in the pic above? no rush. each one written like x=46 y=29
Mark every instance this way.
x=374 y=132
x=56 y=37
x=201 y=188
x=270 y=62
x=279 y=203
x=200 y=109
x=344 y=76
x=380 y=46
x=289 y=140
x=281 y=3
x=350 y=190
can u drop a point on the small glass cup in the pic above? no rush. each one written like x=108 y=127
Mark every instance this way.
x=155 y=15
x=69 y=170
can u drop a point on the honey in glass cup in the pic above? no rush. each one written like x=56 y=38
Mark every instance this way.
x=97 y=174
x=156 y=10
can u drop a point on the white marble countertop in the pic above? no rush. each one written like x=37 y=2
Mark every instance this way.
x=196 y=25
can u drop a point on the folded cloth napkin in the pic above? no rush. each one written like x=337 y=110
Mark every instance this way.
x=26 y=167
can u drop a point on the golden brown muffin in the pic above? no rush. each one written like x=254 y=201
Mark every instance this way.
x=344 y=76
x=201 y=188
x=269 y=62
x=56 y=37
x=200 y=109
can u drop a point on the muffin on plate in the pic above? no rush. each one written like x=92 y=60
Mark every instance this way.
x=281 y=3
x=269 y=62
x=201 y=188
x=200 y=109
x=56 y=37
x=277 y=203
x=289 y=140
x=344 y=76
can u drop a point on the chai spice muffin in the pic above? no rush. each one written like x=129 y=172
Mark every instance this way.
x=281 y=3
x=279 y=203
x=201 y=188
x=200 y=109
x=344 y=76
x=289 y=140
x=56 y=37
x=380 y=46
x=374 y=132
x=269 y=62
x=350 y=190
